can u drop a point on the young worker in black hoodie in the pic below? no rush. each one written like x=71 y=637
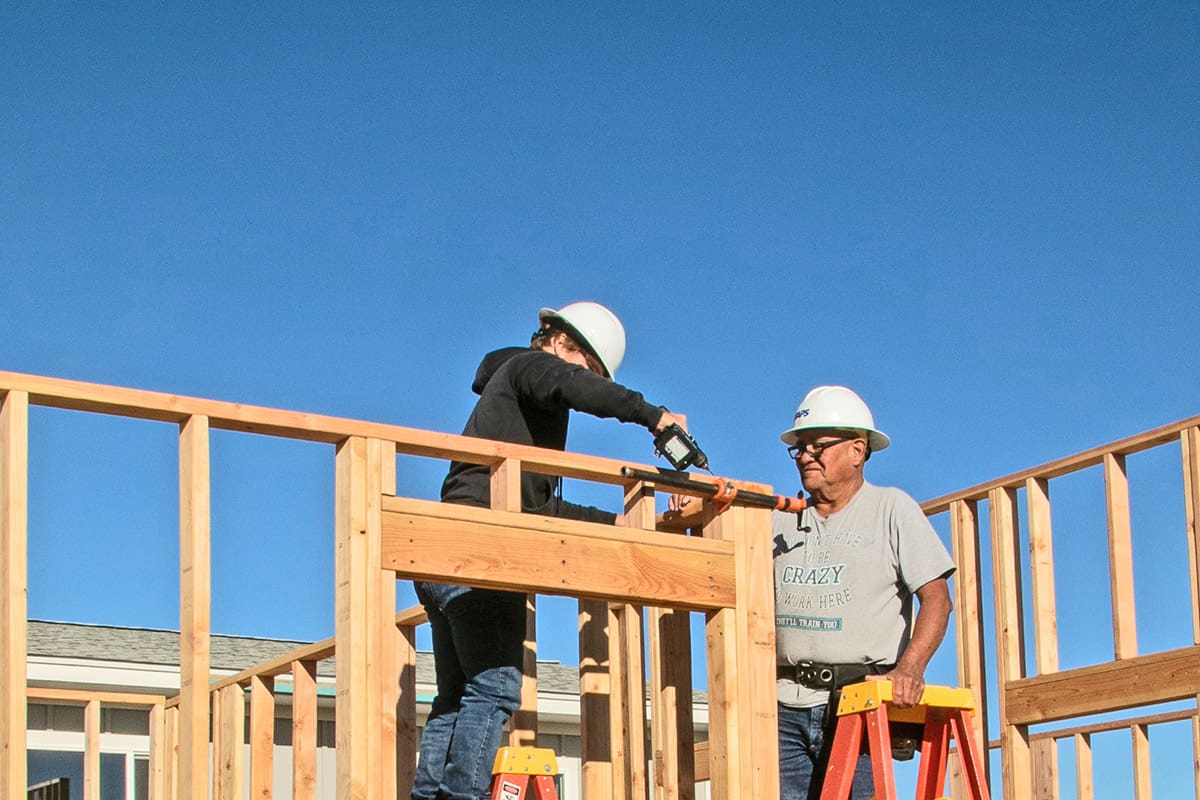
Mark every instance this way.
x=525 y=397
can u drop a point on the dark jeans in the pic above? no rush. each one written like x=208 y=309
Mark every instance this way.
x=804 y=742
x=478 y=650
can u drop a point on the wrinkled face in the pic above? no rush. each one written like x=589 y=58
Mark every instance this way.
x=828 y=458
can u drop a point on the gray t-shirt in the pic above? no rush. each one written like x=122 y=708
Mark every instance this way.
x=844 y=584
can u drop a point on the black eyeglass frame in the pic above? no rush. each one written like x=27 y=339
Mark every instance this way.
x=816 y=449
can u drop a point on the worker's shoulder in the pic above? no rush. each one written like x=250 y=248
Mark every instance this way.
x=888 y=495
x=528 y=355
x=533 y=364
x=504 y=361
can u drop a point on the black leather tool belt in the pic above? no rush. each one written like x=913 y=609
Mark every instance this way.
x=828 y=676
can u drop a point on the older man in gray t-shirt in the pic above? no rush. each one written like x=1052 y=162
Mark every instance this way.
x=846 y=572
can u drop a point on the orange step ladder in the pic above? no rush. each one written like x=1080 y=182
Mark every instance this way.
x=866 y=709
x=524 y=773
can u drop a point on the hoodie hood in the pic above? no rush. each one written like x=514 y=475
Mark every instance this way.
x=491 y=364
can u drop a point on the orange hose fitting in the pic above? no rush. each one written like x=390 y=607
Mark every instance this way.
x=723 y=497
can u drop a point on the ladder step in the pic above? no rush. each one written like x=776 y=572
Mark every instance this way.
x=524 y=773
x=525 y=761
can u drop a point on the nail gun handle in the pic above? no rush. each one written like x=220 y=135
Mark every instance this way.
x=678 y=447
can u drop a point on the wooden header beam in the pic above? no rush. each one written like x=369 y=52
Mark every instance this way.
x=548 y=555
x=1115 y=686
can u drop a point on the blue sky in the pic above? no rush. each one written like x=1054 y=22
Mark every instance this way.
x=983 y=218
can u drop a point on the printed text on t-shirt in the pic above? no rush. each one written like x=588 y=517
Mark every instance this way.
x=827 y=575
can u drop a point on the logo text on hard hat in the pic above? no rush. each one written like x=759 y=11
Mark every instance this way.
x=800 y=414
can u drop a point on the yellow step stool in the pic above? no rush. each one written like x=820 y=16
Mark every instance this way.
x=524 y=773
x=866 y=709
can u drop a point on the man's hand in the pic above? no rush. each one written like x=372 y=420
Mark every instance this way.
x=668 y=419
x=675 y=502
x=907 y=687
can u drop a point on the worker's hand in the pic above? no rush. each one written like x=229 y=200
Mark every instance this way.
x=676 y=502
x=907 y=686
x=668 y=419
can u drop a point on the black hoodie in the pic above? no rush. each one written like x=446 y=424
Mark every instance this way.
x=525 y=397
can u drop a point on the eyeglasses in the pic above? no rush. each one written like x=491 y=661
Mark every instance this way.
x=815 y=449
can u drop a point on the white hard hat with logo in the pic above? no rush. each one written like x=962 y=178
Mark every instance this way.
x=594 y=327
x=835 y=407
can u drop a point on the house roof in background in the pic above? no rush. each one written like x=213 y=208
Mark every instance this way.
x=226 y=653
x=232 y=653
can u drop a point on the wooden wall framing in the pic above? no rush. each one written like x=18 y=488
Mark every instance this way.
x=1035 y=690
x=631 y=582
x=625 y=579
x=14 y=472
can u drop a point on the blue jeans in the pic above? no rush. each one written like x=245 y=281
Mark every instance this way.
x=478 y=650
x=804 y=754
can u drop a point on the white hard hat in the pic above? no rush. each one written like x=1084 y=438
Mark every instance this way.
x=835 y=407
x=594 y=327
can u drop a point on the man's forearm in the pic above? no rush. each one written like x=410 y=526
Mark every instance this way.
x=933 y=617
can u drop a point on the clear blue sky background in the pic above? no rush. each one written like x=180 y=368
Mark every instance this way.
x=983 y=218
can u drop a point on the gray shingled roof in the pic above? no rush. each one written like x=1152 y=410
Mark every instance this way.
x=233 y=653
